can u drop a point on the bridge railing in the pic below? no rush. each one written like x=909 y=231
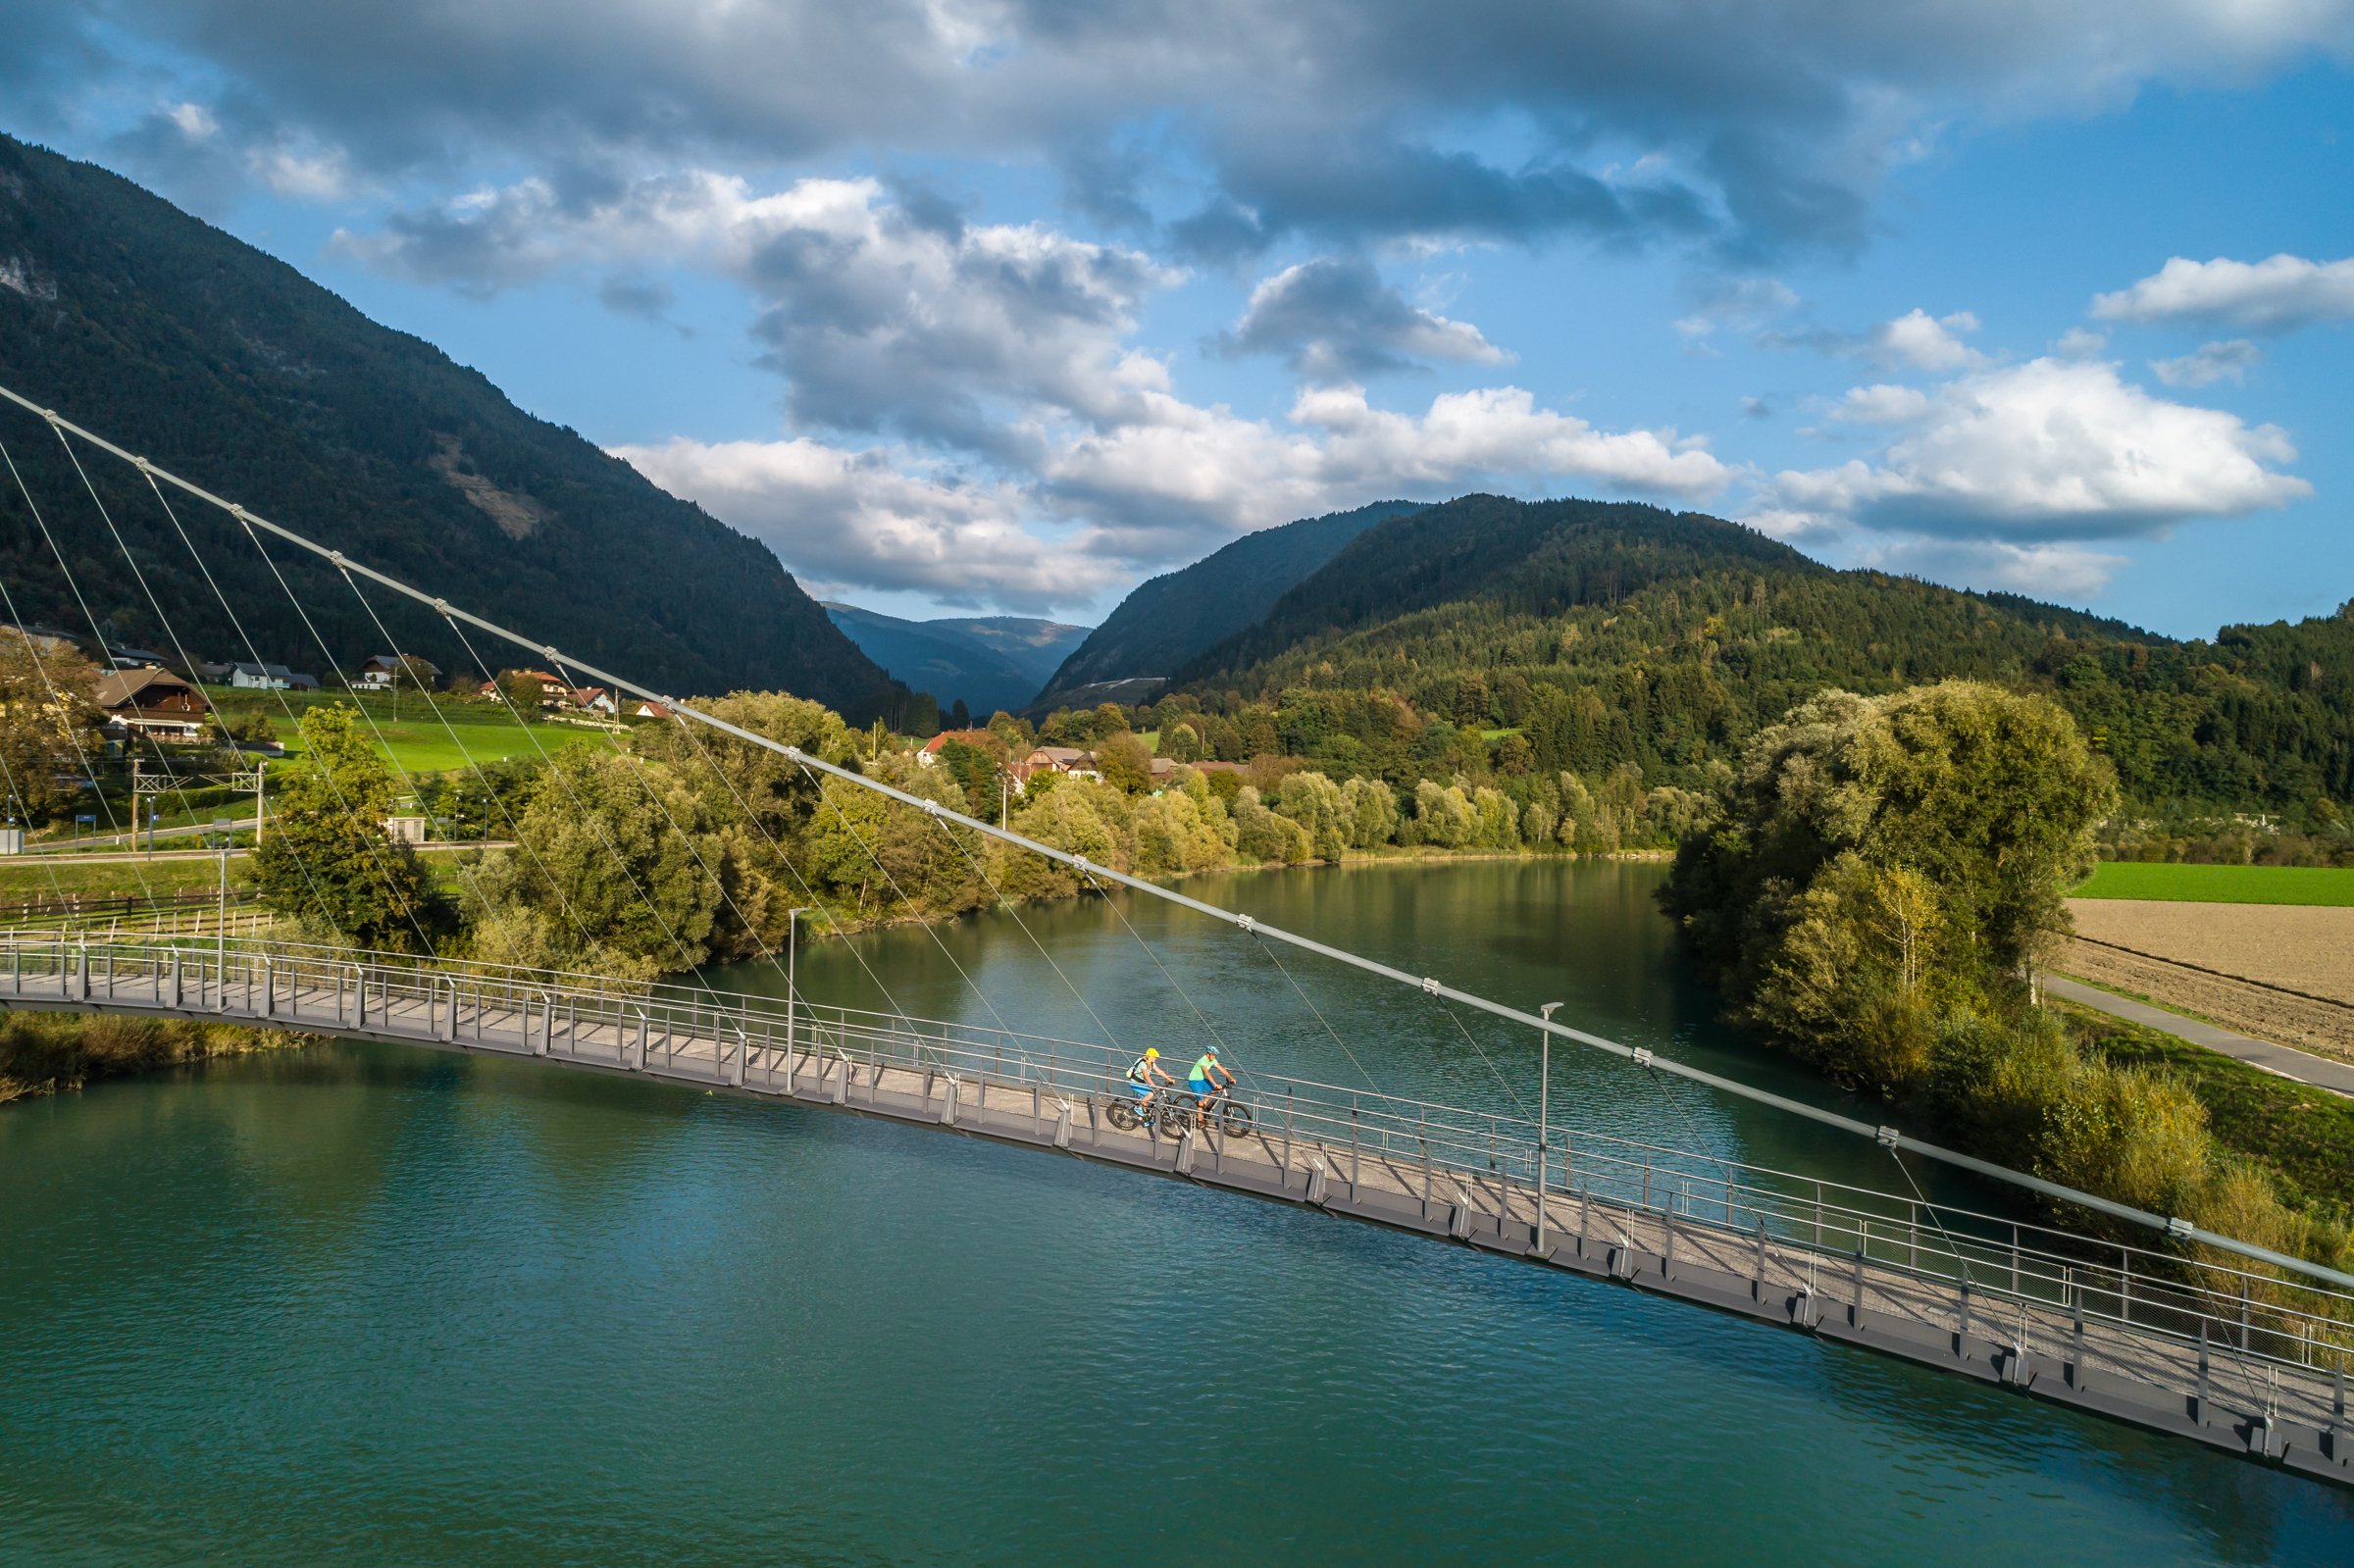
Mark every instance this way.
x=759 y=1041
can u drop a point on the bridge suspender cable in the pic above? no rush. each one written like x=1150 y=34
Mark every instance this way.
x=2179 y=1230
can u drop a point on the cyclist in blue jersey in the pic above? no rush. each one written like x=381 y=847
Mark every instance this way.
x=1207 y=1077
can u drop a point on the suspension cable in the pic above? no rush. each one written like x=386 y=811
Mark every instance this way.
x=148 y=473
x=140 y=579
x=893 y=883
x=2176 y=1228
x=1007 y=905
x=401 y=662
x=597 y=826
x=815 y=903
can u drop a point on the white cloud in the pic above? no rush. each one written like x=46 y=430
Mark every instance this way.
x=2079 y=343
x=1882 y=405
x=2274 y=296
x=1916 y=340
x=883 y=519
x=2048 y=451
x=2214 y=361
x=882 y=314
x=2051 y=572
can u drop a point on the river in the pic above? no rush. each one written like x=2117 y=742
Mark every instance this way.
x=390 y=1305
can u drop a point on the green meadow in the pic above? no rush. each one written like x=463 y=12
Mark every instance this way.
x=2221 y=884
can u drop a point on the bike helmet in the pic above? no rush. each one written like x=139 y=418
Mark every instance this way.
x=1151 y=1053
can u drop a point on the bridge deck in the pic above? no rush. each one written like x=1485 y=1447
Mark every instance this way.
x=1873 y=1294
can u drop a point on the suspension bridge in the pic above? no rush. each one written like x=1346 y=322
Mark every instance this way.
x=2186 y=1331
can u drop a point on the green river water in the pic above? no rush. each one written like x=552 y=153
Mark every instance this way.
x=371 y=1305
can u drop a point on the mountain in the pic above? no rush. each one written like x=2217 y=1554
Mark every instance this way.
x=955 y=658
x=1170 y=619
x=1037 y=647
x=230 y=367
x=1495 y=636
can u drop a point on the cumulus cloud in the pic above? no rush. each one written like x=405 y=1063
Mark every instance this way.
x=1916 y=340
x=2061 y=571
x=2269 y=297
x=2214 y=361
x=1334 y=319
x=1749 y=130
x=1882 y=405
x=2046 y=452
x=882 y=519
x=883 y=314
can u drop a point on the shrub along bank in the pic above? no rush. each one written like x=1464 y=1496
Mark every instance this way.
x=49 y=1053
x=1880 y=879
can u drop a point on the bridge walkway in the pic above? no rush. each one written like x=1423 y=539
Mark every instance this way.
x=2249 y=1377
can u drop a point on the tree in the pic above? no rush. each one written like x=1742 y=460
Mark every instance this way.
x=1880 y=860
x=1321 y=810
x=960 y=717
x=48 y=726
x=523 y=691
x=1182 y=744
x=1125 y=762
x=328 y=858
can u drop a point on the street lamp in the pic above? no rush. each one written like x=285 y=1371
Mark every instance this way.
x=1544 y=1107
x=792 y=921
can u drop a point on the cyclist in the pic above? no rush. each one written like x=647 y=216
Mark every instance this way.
x=1203 y=1083
x=1140 y=1075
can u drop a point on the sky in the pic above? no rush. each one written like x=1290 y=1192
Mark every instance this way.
x=1003 y=307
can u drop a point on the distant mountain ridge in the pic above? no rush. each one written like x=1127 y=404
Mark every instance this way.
x=1167 y=621
x=991 y=662
x=229 y=367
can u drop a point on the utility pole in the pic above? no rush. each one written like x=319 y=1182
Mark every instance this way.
x=1544 y=1107
x=259 y=773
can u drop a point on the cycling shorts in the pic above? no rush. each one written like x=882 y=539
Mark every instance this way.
x=1139 y=1090
x=1200 y=1085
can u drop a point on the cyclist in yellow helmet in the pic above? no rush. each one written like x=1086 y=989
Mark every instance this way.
x=1140 y=1075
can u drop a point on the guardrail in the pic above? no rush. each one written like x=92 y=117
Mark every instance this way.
x=2176 y=1308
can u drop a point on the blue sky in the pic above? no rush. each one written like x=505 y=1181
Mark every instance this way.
x=1003 y=307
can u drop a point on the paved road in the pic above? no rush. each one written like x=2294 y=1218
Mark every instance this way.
x=2319 y=1071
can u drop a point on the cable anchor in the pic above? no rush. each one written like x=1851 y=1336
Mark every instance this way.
x=1430 y=985
x=1642 y=1058
x=1248 y=926
x=1888 y=1137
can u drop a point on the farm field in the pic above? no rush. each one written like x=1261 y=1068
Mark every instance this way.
x=2221 y=884
x=2236 y=964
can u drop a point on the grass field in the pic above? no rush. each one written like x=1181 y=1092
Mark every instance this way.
x=22 y=882
x=2304 y=1134
x=2221 y=884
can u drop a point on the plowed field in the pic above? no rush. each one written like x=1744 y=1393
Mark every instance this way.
x=2164 y=952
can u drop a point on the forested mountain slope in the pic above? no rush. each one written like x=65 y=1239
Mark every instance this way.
x=946 y=665
x=1173 y=617
x=1606 y=636
x=159 y=331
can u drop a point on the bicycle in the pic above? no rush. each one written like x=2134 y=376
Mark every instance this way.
x=1167 y=1111
x=1232 y=1116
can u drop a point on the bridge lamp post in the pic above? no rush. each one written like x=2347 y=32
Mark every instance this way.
x=1544 y=1109
x=792 y=921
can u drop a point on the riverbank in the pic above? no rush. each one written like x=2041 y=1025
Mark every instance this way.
x=54 y=1054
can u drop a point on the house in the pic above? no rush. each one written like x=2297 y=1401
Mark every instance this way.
x=1061 y=759
x=929 y=756
x=153 y=702
x=377 y=670
x=261 y=677
x=649 y=710
x=213 y=673
x=593 y=699
x=132 y=658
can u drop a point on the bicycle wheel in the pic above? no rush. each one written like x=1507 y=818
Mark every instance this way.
x=1175 y=1117
x=1122 y=1113
x=1234 y=1118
